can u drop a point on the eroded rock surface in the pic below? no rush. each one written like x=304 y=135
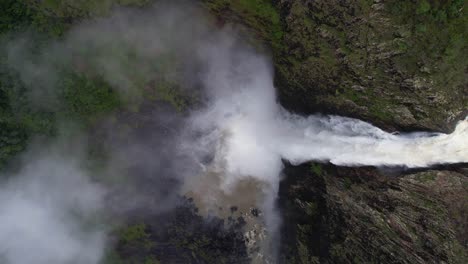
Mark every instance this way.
x=363 y=215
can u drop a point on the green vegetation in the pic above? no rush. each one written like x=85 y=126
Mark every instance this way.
x=437 y=39
x=54 y=17
x=112 y=257
x=423 y=7
x=69 y=89
x=310 y=209
x=168 y=92
x=14 y=14
x=134 y=238
x=304 y=256
x=19 y=119
x=182 y=236
x=260 y=15
x=12 y=141
x=347 y=183
x=439 y=27
x=87 y=98
x=426 y=177
x=136 y=235
x=82 y=99
x=316 y=168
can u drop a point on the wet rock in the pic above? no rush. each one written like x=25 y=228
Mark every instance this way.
x=358 y=88
x=403 y=116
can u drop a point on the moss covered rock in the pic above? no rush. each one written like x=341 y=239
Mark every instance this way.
x=398 y=64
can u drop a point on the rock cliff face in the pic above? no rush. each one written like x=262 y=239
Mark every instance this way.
x=362 y=215
x=396 y=63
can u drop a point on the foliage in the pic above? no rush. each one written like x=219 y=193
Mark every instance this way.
x=423 y=7
x=80 y=97
x=135 y=233
x=86 y=98
x=260 y=15
x=12 y=141
x=310 y=209
x=54 y=17
x=13 y=15
x=18 y=118
x=426 y=177
x=78 y=94
x=112 y=257
x=316 y=168
x=347 y=183
x=168 y=92
x=182 y=236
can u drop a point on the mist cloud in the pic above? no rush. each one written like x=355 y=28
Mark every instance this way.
x=47 y=210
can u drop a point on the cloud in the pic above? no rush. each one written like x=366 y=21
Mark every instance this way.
x=48 y=211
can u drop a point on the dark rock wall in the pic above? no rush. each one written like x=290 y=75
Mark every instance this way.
x=363 y=215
